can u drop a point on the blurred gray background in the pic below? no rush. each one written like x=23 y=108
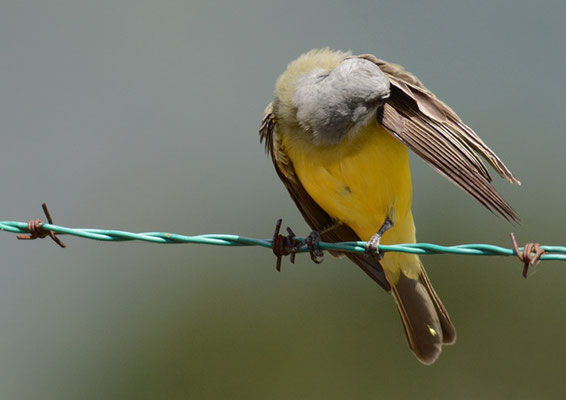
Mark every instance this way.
x=143 y=116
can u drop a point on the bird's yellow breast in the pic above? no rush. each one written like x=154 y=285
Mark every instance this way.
x=360 y=181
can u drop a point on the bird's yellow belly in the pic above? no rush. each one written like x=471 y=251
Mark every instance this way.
x=360 y=182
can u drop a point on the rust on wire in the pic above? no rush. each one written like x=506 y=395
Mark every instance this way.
x=37 y=231
x=282 y=245
x=530 y=256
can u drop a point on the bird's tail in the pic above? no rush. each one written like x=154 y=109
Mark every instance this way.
x=425 y=320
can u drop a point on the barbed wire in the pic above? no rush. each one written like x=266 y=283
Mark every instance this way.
x=528 y=254
x=111 y=235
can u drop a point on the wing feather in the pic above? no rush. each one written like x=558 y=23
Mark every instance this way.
x=435 y=133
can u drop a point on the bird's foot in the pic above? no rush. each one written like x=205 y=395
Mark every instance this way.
x=372 y=245
x=311 y=242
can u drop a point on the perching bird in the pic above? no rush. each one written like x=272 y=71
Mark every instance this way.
x=338 y=132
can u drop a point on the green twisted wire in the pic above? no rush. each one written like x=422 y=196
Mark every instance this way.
x=109 y=235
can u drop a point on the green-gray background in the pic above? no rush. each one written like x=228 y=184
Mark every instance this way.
x=143 y=115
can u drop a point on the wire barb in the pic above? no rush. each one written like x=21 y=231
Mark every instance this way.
x=36 y=229
x=282 y=245
x=531 y=255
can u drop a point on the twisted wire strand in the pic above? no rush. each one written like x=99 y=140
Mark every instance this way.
x=111 y=235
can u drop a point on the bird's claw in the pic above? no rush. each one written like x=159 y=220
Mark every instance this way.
x=311 y=242
x=372 y=247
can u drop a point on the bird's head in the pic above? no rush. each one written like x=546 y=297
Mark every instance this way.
x=329 y=95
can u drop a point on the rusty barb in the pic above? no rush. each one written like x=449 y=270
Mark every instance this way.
x=283 y=245
x=530 y=256
x=36 y=230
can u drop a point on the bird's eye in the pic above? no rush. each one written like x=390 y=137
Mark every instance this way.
x=320 y=77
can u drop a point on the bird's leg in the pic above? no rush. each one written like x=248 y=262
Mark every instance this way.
x=372 y=245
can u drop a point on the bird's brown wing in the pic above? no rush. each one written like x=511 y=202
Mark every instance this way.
x=315 y=216
x=435 y=133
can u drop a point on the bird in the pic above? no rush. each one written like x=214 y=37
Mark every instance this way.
x=339 y=131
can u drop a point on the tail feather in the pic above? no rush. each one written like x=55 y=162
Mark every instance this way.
x=448 y=330
x=425 y=320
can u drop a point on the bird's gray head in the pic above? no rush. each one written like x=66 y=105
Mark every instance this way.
x=332 y=104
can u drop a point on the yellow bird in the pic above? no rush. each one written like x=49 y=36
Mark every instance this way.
x=338 y=132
